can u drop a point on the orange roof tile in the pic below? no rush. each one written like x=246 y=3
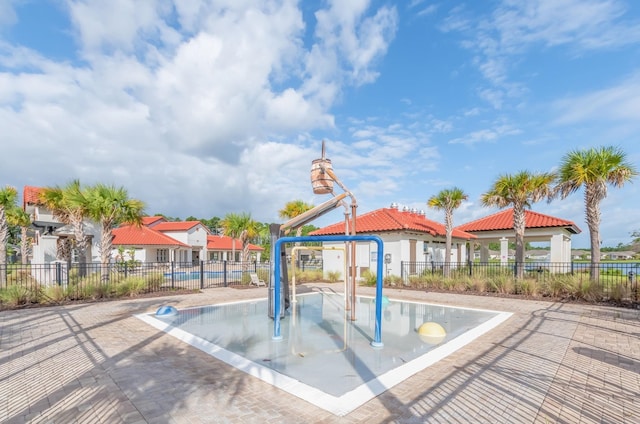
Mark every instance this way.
x=149 y=220
x=30 y=195
x=175 y=225
x=385 y=220
x=225 y=243
x=131 y=235
x=503 y=220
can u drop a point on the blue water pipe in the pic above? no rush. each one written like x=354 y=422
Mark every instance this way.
x=377 y=340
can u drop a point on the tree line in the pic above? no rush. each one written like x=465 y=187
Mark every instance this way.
x=593 y=169
x=111 y=206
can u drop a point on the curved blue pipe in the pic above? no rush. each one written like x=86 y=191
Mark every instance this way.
x=377 y=339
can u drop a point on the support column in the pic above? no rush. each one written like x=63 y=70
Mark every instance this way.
x=504 y=251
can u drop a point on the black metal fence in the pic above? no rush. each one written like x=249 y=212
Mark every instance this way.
x=147 y=277
x=609 y=275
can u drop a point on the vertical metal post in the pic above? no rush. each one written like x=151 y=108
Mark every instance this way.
x=201 y=274
x=173 y=275
x=224 y=273
x=59 y=273
x=377 y=342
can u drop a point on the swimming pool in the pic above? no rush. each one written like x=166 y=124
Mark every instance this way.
x=324 y=357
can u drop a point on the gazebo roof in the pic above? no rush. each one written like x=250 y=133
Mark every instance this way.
x=503 y=220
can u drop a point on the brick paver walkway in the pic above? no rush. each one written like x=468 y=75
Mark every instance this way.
x=549 y=363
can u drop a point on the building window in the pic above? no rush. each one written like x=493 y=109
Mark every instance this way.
x=162 y=255
x=214 y=256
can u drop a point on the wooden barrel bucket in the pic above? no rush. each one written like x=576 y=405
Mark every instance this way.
x=320 y=180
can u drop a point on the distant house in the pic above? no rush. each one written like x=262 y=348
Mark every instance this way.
x=159 y=240
x=220 y=248
x=578 y=254
x=407 y=235
x=51 y=236
x=537 y=255
x=619 y=255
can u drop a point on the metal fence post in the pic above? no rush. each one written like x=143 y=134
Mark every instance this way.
x=59 y=273
x=201 y=274
x=224 y=273
x=173 y=275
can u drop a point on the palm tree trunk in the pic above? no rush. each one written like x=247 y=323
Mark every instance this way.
x=105 y=252
x=593 y=195
x=519 y=225
x=81 y=244
x=448 y=222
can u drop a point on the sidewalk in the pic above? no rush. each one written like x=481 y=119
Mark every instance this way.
x=549 y=362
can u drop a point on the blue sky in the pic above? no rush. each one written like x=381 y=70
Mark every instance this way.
x=208 y=107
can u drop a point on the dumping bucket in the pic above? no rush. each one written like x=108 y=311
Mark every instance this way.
x=320 y=180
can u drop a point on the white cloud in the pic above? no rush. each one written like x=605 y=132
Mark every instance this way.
x=617 y=103
x=188 y=104
x=515 y=27
x=487 y=135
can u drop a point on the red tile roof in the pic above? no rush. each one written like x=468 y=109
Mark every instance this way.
x=149 y=220
x=131 y=235
x=176 y=225
x=503 y=220
x=31 y=195
x=386 y=220
x=225 y=243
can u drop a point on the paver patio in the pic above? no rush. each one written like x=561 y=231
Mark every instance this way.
x=550 y=362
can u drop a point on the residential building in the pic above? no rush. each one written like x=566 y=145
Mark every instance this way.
x=53 y=240
x=407 y=236
x=159 y=240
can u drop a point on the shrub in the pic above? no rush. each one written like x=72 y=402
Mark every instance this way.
x=528 y=287
x=17 y=294
x=334 y=276
x=590 y=292
x=478 y=284
x=54 y=294
x=501 y=284
x=368 y=278
x=392 y=280
x=153 y=281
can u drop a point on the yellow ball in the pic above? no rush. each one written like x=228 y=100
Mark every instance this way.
x=432 y=332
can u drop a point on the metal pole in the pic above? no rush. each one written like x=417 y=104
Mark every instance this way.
x=377 y=342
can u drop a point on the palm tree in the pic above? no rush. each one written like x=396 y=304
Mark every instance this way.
x=293 y=209
x=447 y=200
x=520 y=191
x=69 y=206
x=242 y=227
x=594 y=168
x=111 y=206
x=8 y=196
x=20 y=218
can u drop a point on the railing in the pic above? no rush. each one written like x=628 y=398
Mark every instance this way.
x=611 y=274
x=149 y=277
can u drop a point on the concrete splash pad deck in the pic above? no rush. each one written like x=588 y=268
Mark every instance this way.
x=323 y=357
x=549 y=362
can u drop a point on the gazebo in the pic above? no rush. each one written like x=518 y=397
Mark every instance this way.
x=538 y=228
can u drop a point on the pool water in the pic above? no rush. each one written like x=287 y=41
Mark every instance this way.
x=195 y=275
x=324 y=357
